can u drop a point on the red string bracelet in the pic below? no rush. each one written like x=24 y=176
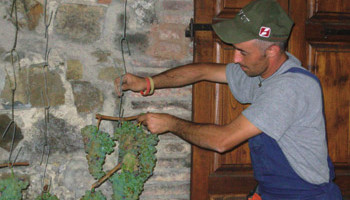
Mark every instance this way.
x=145 y=93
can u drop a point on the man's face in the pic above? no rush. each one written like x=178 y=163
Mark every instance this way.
x=252 y=61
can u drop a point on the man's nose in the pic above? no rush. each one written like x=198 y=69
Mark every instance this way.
x=237 y=57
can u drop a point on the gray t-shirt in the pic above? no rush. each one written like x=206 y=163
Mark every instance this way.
x=288 y=108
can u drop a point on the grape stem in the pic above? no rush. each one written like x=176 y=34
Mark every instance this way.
x=109 y=174
x=104 y=117
x=14 y=164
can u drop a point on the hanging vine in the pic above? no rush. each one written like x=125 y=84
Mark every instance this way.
x=11 y=188
x=136 y=159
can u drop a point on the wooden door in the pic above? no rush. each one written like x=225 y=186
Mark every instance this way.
x=325 y=52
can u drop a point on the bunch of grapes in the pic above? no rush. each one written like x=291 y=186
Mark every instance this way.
x=97 y=144
x=11 y=188
x=137 y=151
x=46 y=196
x=93 y=195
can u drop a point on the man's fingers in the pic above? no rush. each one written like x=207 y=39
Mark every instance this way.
x=142 y=119
x=120 y=84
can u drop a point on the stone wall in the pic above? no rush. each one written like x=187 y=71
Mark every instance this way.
x=84 y=59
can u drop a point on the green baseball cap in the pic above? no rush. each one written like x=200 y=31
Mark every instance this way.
x=260 y=19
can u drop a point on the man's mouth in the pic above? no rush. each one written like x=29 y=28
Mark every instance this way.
x=244 y=68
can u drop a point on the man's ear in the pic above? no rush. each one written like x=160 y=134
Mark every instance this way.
x=272 y=51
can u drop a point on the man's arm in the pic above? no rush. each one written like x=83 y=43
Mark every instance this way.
x=176 y=77
x=220 y=138
x=191 y=73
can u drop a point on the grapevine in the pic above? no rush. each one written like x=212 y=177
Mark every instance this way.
x=11 y=188
x=136 y=154
x=97 y=144
x=93 y=195
x=47 y=196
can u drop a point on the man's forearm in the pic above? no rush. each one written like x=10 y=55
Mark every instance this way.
x=219 y=138
x=209 y=136
x=189 y=74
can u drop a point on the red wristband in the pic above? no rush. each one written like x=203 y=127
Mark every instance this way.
x=145 y=93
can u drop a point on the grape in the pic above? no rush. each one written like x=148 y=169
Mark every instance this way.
x=11 y=188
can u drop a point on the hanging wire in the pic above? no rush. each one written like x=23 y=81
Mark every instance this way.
x=47 y=24
x=14 y=161
x=13 y=84
x=14 y=8
x=45 y=99
x=123 y=42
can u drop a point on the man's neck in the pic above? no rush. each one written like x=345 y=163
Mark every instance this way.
x=274 y=65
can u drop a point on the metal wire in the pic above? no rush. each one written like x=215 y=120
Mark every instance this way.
x=123 y=42
x=14 y=8
x=14 y=161
x=45 y=97
x=13 y=85
x=46 y=147
x=7 y=128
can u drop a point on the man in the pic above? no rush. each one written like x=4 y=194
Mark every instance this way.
x=284 y=124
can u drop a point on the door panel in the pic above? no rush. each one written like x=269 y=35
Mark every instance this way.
x=335 y=82
x=320 y=39
x=331 y=66
x=327 y=37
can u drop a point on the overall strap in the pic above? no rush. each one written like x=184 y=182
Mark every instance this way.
x=303 y=71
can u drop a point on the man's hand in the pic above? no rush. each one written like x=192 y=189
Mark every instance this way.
x=157 y=123
x=130 y=82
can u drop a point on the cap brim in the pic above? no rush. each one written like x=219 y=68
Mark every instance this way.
x=231 y=31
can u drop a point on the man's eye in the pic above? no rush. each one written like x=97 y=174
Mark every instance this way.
x=243 y=53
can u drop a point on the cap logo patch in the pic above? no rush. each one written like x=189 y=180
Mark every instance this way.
x=243 y=17
x=264 y=32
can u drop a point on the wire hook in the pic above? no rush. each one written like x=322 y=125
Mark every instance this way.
x=14 y=8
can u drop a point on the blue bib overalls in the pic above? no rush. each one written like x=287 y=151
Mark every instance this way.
x=277 y=180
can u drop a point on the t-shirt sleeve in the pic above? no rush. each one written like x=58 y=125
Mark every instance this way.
x=239 y=83
x=274 y=111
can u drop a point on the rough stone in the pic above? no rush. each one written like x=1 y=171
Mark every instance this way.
x=5 y=142
x=30 y=85
x=7 y=57
x=55 y=89
x=145 y=12
x=76 y=175
x=28 y=13
x=61 y=136
x=2 y=50
x=174 y=162
x=104 y=1
x=109 y=74
x=21 y=96
x=87 y=98
x=79 y=23
x=168 y=41
x=138 y=42
x=177 y=5
x=166 y=188
x=33 y=16
x=170 y=175
x=101 y=55
x=74 y=70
